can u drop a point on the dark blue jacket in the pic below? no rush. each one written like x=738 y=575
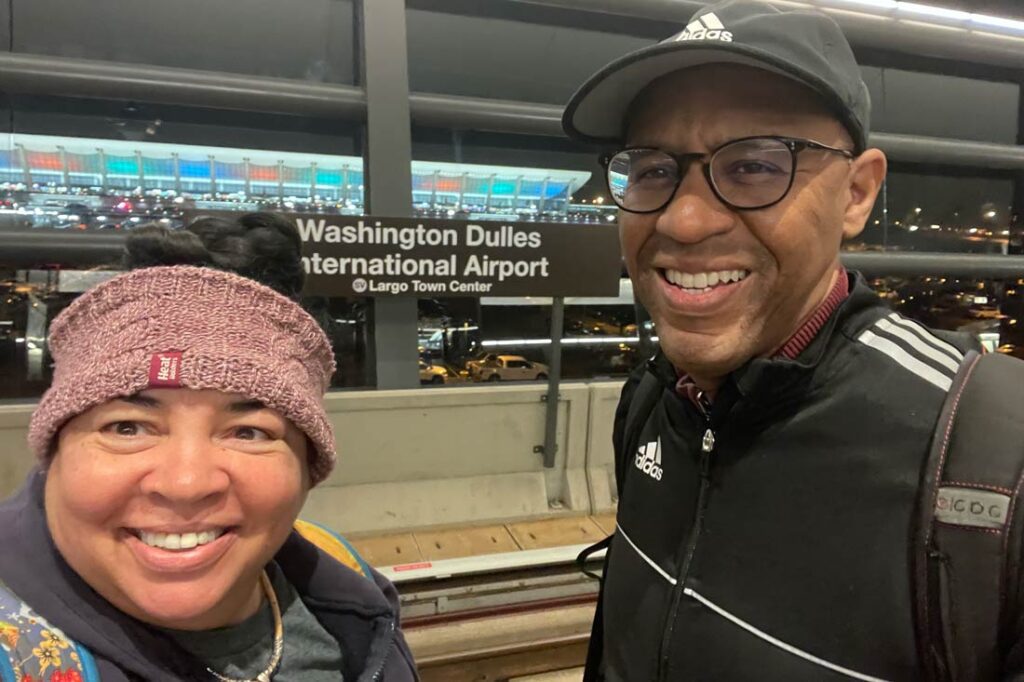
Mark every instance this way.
x=361 y=614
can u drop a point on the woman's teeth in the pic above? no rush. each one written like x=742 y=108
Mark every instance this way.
x=702 y=281
x=179 y=540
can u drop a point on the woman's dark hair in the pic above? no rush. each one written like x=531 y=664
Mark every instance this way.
x=264 y=247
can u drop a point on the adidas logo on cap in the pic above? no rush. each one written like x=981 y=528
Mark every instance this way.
x=707 y=27
x=648 y=460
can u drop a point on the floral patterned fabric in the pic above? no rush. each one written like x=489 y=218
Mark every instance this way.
x=37 y=651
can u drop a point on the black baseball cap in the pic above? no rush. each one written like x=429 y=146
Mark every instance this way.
x=804 y=45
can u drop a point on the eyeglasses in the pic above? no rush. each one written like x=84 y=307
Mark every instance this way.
x=745 y=174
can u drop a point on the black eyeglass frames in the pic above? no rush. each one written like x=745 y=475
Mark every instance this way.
x=745 y=174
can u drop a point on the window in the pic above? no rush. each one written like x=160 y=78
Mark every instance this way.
x=302 y=39
x=939 y=105
x=96 y=165
x=993 y=310
x=511 y=55
x=953 y=210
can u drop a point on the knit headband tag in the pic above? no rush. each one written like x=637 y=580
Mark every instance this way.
x=165 y=370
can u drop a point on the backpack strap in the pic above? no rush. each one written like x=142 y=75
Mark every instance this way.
x=963 y=575
x=595 y=648
x=334 y=545
x=641 y=405
x=32 y=648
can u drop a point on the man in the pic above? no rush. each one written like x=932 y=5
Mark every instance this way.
x=769 y=494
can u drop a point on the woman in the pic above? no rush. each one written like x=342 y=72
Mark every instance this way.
x=177 y=443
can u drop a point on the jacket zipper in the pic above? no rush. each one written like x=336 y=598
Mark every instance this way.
x=379 y=672
x=707 y=447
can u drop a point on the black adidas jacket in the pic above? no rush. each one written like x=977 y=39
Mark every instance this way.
x=769 y=539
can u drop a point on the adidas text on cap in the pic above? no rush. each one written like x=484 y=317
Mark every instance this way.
x=804 y=45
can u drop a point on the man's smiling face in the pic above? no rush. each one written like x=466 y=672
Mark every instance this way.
x=785 y=256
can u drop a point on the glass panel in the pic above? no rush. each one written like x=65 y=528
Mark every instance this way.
x=539 y=178
x=940 y=105
x=506 y=58
x=600 y=336
x=990 y=309
x=932 y=212
x=139 y=179
x=302 y=39
x=998 y=8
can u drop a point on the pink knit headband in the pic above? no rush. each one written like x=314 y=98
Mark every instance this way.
x=188 y=327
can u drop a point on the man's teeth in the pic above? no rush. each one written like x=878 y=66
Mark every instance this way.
x=703 y=280
x=179 y=540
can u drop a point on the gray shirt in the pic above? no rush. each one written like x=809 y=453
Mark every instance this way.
x=242 y=651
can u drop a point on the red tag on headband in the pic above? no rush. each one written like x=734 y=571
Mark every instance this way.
x=165 y=370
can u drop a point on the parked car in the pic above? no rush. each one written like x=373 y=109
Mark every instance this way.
x=431 y=374
x=510 y=368
x=474 y=364
x=441 y=374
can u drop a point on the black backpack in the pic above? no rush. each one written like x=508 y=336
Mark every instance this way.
x=966 y=548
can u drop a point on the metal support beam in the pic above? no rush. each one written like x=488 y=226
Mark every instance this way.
x=1016 y=226
x=142 y=171
x=388 y=168
x=102 y=155
x=917 y=149
x=476 y=113
x=65 y=172
x=44 y=75
x=554 y=379
x=646 y=346
x=248 y=177
x=176 y=160
x=6 y=38
x=26 y=171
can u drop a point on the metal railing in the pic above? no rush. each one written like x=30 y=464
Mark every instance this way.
x=73 y=249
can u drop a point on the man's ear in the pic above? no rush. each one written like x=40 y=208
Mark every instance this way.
x=867 y=173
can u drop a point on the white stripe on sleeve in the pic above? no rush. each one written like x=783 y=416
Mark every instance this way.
x=918 y=344
x=927 y=336
x=906 y=360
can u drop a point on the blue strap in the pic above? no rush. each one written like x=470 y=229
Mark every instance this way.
x=6 y=669
x=89 y=671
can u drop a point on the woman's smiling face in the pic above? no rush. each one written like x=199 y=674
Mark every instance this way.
x=170 y=502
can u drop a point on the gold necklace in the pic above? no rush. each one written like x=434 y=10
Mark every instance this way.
x=275 y=658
